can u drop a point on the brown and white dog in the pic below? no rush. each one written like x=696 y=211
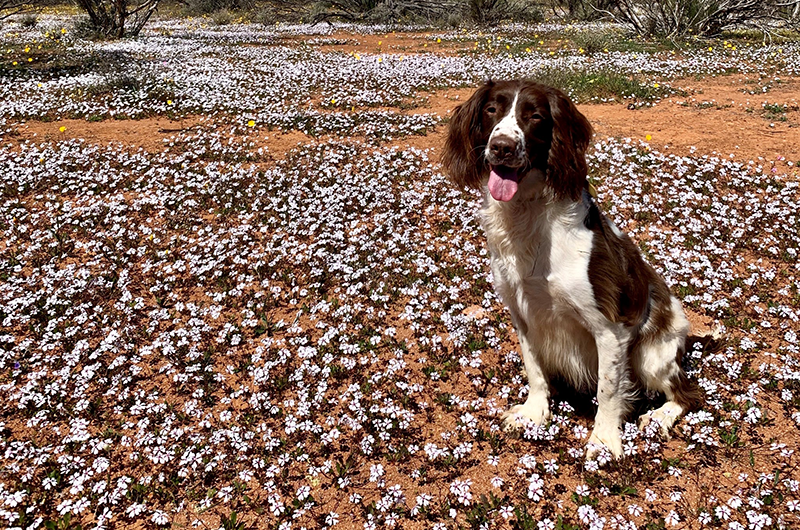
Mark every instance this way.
x=585 y=305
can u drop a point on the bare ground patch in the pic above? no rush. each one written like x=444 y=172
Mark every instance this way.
x=392 y=42
x=148 y=133
x=717 y=118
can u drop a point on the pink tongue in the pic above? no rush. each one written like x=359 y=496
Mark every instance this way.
x=502 y=183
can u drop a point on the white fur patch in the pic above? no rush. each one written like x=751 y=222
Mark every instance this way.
x=540 y=259
x=510 y=128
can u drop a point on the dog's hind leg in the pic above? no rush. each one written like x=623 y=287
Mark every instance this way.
x=683 y=395
x=660 y=370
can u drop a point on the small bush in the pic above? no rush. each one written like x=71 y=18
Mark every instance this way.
x=265 y=16
x=223 y=17
x=382 y=14
x=594 y=41
x=455 y=19
x=268 y=12
x=492 y=12
x=84 y=28
x=486 y=12
x=384 y=11
x=526 y=12
x=29 y=20
x=212 y=7
x=708 y=18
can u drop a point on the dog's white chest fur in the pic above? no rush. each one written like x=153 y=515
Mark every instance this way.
x=540 y=259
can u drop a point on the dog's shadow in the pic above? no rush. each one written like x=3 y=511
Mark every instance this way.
x=584 y=406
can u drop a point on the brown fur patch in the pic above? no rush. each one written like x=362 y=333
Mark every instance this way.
x=627 y=290
x=462 y=150
x=572 y=132
x=685 y=392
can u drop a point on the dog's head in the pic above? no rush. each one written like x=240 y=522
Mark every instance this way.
x=509 y=130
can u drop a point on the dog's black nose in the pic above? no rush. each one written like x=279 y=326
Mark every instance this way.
x=502 y=147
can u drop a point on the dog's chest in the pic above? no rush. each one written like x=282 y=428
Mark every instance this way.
x=540 y=259
x=540 y=256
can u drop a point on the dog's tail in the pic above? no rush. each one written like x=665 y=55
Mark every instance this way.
x=686 y=391
x=708 y=343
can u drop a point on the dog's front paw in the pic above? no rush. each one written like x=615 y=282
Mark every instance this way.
x=661 y=420
x=518 y=416
x=604 y=439
x=657 y=423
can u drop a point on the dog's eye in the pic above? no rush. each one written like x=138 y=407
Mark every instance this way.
x=536 y=117
x=491 y=110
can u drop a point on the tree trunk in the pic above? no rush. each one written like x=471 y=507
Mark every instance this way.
x=118 y=18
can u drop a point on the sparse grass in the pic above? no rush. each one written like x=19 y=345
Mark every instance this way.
x=223 y=17
x=711 y=105
x=756 y=37
x=596 y=41
x=776 y=111
x=604 y=85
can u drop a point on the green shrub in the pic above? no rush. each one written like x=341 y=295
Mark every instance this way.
x=29 y=20
x=492 y=12
x=678 y=18
x=212 y=7
x=455 y=19
x=384 y=11
x=594 y=41
x=223 y=17
x=264 y=15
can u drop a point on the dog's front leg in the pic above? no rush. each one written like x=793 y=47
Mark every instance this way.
x=536 y=408
x=613 y=392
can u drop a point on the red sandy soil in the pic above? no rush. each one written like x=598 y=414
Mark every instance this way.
x=716 y=118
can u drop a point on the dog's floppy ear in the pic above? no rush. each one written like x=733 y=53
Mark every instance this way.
x=566 y=163
x=463 y=157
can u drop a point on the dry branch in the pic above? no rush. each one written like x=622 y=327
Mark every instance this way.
x=12 y=7
x=118 y=18
x=676 y=18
